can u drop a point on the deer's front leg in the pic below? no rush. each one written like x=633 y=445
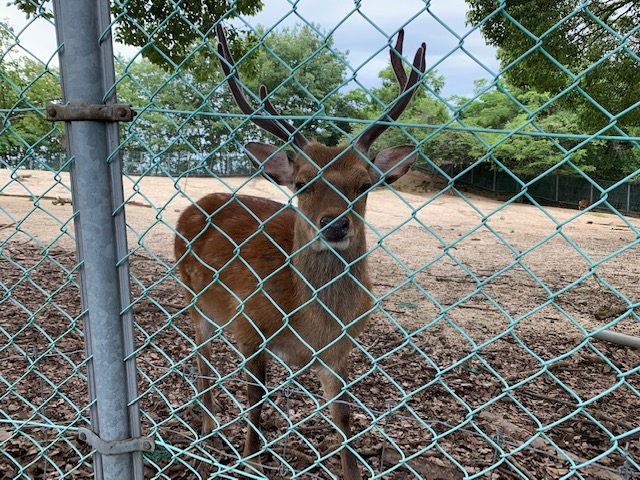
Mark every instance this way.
x=203 y=331
x=332 y=383
x=255 y=376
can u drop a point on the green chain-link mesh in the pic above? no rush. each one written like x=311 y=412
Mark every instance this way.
x=480 y=360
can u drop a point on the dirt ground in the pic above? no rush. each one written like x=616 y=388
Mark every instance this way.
x=479 y=341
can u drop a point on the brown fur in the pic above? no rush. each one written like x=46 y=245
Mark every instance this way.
x=582 y=204
x=258 y=269
x=271 y=294
x=272 y=280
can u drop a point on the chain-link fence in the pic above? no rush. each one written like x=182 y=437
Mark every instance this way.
x=502 y=335
x=141 y=163
x=573 y=191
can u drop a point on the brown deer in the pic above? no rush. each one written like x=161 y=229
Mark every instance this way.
x=287 y=282
x=582 y=204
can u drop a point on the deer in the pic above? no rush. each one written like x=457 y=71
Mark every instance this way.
x=583 y=204
x=288 y=281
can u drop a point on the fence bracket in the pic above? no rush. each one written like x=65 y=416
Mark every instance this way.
x=115 y=112
x=116 y=447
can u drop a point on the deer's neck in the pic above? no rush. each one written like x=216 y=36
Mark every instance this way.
x=338 y=278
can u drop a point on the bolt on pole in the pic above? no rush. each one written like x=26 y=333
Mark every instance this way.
x=87 y=72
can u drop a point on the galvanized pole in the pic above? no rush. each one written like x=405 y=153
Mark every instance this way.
x=87 y=71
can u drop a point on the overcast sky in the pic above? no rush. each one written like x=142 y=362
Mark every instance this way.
x=452 y=48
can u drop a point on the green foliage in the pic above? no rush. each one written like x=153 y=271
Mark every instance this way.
x=166 y=101
x=304 y=72
x=453 y=146
x=593 y=46
x=297 y=65
x=167 y=32
x=424 y=109
x=25 y=87
x=511 y=109
x=174 y=29
x=189 y=111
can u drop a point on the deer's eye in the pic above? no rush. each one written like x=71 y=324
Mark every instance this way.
x=365 y=188
x=299 y=186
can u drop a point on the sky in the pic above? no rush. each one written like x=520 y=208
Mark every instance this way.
x=454 y=49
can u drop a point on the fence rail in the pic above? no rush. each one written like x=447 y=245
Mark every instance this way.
x=484 y=356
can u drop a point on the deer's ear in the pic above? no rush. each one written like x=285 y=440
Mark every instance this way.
x=275 y=165
x=394 y=162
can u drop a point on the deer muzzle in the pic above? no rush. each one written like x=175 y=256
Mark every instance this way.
x=334 y=229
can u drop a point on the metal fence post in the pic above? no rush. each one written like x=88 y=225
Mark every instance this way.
x=87 y=71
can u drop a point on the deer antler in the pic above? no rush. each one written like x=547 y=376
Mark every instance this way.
x=280 y=128
x=407 y=89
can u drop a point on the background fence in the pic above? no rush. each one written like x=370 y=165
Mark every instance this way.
x=550 y=190
x=483 y=357
x=561 y=190
x=141 y=163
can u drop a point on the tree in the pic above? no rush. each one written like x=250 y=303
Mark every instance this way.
x=178 y=123
x=423 y=110
x=454 y=145
x=189 y=112
x=592 y=46
x=168 y=33
x=26 y=86
x=304 y=72
x=529 y=151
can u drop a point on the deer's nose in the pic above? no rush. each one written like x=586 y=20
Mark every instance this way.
x=334 y=229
